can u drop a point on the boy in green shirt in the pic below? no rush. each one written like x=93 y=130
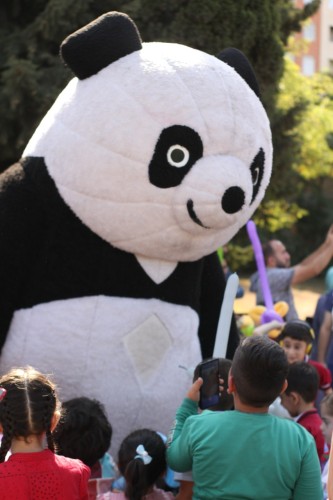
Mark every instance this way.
x=246 y=454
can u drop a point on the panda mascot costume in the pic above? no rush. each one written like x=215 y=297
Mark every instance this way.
x=152 y=157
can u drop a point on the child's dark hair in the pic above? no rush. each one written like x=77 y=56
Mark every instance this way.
x=298 y=330
x=226 y=400
x=259 y=369
x=139 y=477
x=28 y=406
x=303 y=379
x=83 y=431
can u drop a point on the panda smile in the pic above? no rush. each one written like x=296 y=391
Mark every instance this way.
x=193 y=215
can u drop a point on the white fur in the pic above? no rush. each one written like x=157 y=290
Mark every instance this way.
x=99 y=137
x=97 y=349
x=157 y=270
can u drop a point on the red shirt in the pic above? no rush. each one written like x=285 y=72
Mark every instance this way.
x=43 y=476
x=325 y=377
x=312 y=422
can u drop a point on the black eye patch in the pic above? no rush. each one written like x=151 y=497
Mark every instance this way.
x=257 y=172
x=178 y=148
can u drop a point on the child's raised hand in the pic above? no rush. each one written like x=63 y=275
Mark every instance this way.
x=194 y=392
x=221 y=385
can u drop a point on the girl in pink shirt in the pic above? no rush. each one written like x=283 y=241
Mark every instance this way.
x=141 y=461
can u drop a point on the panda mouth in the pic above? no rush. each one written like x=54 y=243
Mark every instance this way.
x=193 y=215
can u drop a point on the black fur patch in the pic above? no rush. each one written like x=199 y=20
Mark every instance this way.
x=175 y=145
x=237 y=60
x=233 y=200
x=257 y=172
x=101 y=42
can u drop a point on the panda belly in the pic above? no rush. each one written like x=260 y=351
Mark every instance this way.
x=124 y=352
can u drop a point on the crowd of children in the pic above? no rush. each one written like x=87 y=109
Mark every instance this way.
x=235 y=449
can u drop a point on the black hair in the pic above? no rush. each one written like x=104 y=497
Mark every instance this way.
x=226 y=400
x=27 y=407
x=83 y=431
x=298 y=330
x=139 y=477
x=259 y=369
x=303 y=379
x=268 y=251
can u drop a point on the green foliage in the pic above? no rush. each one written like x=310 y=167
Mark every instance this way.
x=239 y=256
x=31 y=72
x=305 y=110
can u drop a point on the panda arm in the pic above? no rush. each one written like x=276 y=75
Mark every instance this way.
x=20 y=222
x=212 y=291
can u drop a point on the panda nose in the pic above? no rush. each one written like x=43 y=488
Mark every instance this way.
x=233 y=200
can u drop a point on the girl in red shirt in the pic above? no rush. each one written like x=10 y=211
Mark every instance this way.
x=29 y=411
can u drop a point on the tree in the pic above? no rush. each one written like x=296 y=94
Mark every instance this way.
x=306 y=158
x=32 y=74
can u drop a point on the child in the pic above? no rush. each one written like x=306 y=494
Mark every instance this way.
x=246 y=453
x=326 y=410
x=296 y=338
x=85 y=432
x=29 y=412
x=141 y=460
x=299 y=400
x=226 y=403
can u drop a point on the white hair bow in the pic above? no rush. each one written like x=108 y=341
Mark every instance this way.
x=143 y=454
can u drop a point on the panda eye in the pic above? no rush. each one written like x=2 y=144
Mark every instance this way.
x=178 y=156
x=177 y=149
x=255 y=176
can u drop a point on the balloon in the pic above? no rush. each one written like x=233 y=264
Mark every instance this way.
x=270 y=314
x=223 y=327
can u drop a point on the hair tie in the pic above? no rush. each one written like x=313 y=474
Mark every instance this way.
x=3 y=393
x=143 y=454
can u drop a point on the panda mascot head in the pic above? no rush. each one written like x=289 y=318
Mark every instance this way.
x=151 y=158
x=162 y=150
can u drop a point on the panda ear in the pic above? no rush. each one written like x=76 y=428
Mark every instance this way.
x=101 y=42
x=237 y=60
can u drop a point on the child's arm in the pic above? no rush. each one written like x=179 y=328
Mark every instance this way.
x=179 y=440
x=267 y=327
x=185 y=490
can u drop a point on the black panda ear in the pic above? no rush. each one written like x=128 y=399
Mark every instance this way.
x=101 y=42
x=237 y=60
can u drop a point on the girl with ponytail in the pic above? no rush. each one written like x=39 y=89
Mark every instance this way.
x=141 y=461
x=29 y=412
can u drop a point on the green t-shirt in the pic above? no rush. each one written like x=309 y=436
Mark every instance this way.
x=244 y=456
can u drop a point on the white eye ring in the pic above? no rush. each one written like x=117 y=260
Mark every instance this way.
x=184 y=151
x=256 y=176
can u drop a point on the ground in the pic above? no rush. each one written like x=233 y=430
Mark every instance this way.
x=305 y=296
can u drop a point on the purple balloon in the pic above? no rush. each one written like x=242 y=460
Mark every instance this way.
x=270 y=314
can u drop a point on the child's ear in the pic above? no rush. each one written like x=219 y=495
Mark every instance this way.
x=55 y=420
x=231 y=383
x=295 y=398
x=284 y=387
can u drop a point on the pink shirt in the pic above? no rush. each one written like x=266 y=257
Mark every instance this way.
x=156 y=494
